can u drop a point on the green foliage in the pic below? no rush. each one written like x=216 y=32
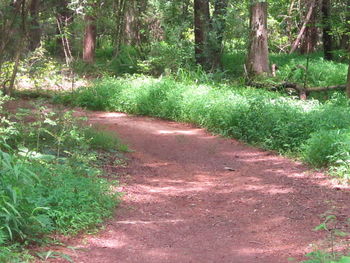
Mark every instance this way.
x=328 y=147
x=163 y=57
x=48 y=183
x=102 y=140
x=321 y=73
x=292 y=68
x=255 y=116
x=323 y=257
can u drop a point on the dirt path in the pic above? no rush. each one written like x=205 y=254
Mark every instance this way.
x=194 y=197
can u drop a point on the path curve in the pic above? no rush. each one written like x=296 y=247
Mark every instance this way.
x=194 y=197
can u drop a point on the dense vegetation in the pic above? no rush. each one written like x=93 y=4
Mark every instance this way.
x=50 y=178
x=270 y=73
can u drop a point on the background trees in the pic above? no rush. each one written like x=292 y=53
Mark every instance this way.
x=158 y=36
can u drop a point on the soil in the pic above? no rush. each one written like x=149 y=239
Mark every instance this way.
x=194 y=197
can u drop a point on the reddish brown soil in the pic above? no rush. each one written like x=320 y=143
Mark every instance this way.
x=182 y=204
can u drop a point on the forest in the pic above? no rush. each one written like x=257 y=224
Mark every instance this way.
x=272 y=74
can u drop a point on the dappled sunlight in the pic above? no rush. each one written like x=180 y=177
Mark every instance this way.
x=192 y=132
x=175 y=190
x=189 y=191
x=157 y=222
x=103 y=115
x=112 y=242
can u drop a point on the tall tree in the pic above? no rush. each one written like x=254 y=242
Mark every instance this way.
x=34 y=31
x=310 y=37
x=217 y=30
x=258 y=55
x=348 y=83
x=89 y=39
x=304 y=27
x=327 y=30
x=201 y=31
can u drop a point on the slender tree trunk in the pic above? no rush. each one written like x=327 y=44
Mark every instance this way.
x=345 y=40
x=327 y=37
x=348 y=84
x=310 y=37
x=201 y=30
x=290 y=22
x=304 y=26
x=35 y=31
x=216 y=34
x=258 y=54
x=21 y=31
x=120 y=13
x=64 y=18
x=89 y=39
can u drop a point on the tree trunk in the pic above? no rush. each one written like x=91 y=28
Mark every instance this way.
x=201 y=31
x=304 y=26
x=216 y=34
x=64 y=19
x=35 y=31
x=120 y=17
x=345 y=39
x=89 y=39
x=258 y=54
x=348 y=84
x=135 y=29
x=327 y=37
x=310 y=36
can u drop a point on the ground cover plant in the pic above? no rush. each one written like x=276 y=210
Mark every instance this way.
x=50 y=178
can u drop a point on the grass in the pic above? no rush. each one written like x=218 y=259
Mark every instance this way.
x=259 y=117
x=291 y=68
x=50 y=182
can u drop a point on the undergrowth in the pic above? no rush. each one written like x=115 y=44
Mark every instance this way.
x=49 y=182
x=317 y=132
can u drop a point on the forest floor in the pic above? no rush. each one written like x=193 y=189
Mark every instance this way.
x=194 y=197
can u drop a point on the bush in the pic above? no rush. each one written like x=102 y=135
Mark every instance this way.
x=327 y=147
x=48 y=182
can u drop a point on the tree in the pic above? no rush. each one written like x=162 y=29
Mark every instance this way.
x=309 y=17
x=310 y=37
x=217 y=30
x=201 y=31
x=348 y=83
x=35 y=31
x=258 y=55
x=89 y=39
x=327 y=30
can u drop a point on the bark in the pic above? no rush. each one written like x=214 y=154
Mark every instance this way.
x=327 y=37
x=304 y=26
x=35 y=31
x=120 y=15
x=258 y=54
x=348 y=84
x=310 y=36
x=134 y=26
x=217 y=32
x=201 y=31
x=345 y=39
x=89 y=39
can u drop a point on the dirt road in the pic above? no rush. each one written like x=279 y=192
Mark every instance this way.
x=194 y=197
